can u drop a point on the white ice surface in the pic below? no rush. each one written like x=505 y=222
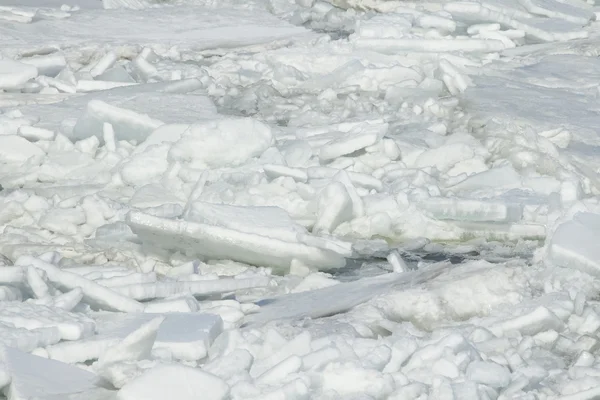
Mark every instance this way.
x=185 y=336
x=198 y=29
x=34 y=377
x=242 y=200
x=218 y=242
x=183 y=382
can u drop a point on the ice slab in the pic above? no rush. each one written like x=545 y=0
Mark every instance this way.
x=272 y=222
x=14 y=74
x=18 y=149
x=574 y=244
x=223 y=142
x=94 y=294
x=39 y=378
x=555 y=9
x=471 y=210
x=354 y=140
x=539 y=29
x=70 y=326
x=393 y=46
x=28 y=339
x=216 y=242
x=164 y=289
x=83 y=4
x=570 y=106
x=134 y=112
x=338 y=298
x=198 y=29
x=176 y=382
x=186 y=336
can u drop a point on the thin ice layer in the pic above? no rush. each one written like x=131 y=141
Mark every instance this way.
x=34 y=377
x=575 y=243
x=197 y=28
x=338 y=298
x=471 y=210
x=215 y=242
x=272 y=222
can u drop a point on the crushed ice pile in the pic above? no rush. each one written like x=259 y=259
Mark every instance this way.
x=269 y=199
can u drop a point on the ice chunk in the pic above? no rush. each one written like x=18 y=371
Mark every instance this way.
x=130 y=110
x=228 y=142
x=217 y=28
x=17 y=149
x=275 y=171
x=544 y=29
x=129 y=4
x=49 y=64
x=85 y=85
x=185 y=336
x=172 y=305
x=221 y=243
x=188 y=336
x=334 y=207
x=588 y=394
x=34 y=134
x=14 y=74
x=503 y=177
x=392 y=46
x=174 y=382
x=489 y=373
x=32 y=316
x=272 y=222
x=168 y=133
x=69 y=300
x=95 y=294
x=135 y=346
x=539 y=320
x=574 y=243
x=279 y=372
x=162 y=289
x=128 y=125
x=364 y=381
x=471 y=210
x=358 y=179
x=338 y=298
x=104 y=63
x=35 y=377
x=28 y=339
x=153 y=195
x=116 y=74
x=11 y=274
x=445 y=157
x=556 y=9
x=10 y=293
x=352 y=141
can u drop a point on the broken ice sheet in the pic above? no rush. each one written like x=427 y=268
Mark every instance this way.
x=221 y=242
x=70 y=326
x=185 y=336
x=39 y=378
x=338 y=298
x=134 y=112
x=574 y=243
x=198 y=28
x=28 y=339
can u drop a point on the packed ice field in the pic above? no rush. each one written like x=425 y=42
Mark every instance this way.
x=299 y=199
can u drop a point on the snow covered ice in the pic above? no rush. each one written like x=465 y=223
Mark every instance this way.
x=310 y=199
